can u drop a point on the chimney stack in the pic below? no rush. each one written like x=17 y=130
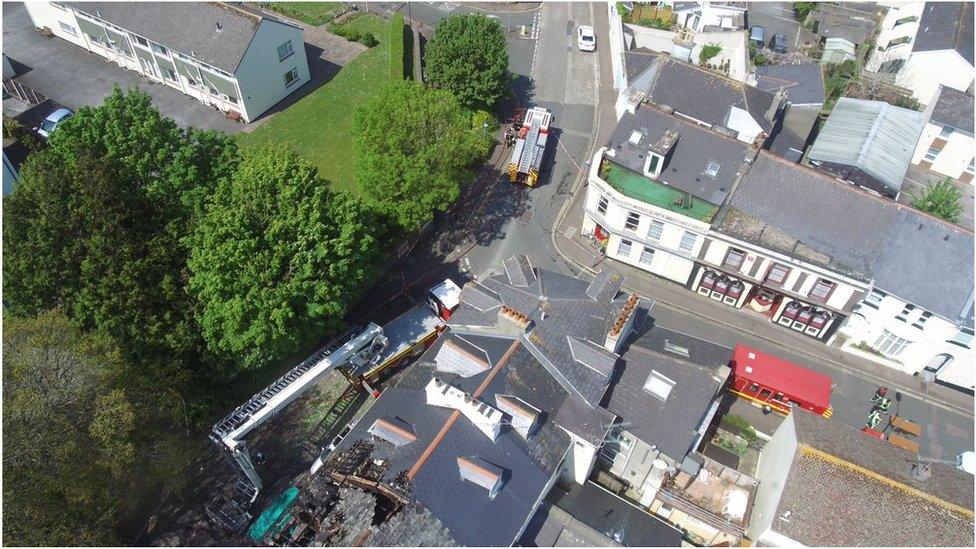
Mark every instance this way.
x=622 y=326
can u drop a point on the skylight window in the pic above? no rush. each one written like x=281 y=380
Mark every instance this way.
x=635 y=137
x=659 y=385
x=712 y=169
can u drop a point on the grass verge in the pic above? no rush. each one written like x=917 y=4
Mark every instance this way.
x=311 y=13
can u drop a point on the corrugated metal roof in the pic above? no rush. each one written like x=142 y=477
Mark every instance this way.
x=873 y=136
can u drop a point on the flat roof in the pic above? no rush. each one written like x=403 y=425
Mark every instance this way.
x=774 y=372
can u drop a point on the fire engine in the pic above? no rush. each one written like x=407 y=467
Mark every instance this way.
x=530 y=147
x=768 y=380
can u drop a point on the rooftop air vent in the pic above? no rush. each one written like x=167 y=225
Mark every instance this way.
x=659 y=385
x=487 y=419
x=394 y=431
x=482 y=473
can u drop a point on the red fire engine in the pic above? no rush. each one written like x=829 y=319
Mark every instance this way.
x=771 y=381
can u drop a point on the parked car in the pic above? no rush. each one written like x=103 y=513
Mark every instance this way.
x=52 y=121
x=758 y=37
x=338 y=438
x=778 y=43
x=585 y=39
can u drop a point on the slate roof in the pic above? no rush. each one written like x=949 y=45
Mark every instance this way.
x=841 y=22
x=187 y=27
x=876 y=138
x=637 y=61
x=684 y=168
x=670 y=425
x=953 y=108
x=946 y=26
x=803 y=83
x=704 y=95
x=781 y=206
x=871 y=512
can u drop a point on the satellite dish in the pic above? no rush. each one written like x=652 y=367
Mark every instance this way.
x=967 y=462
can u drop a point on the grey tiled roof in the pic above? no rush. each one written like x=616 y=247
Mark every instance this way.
x=803 y=83
x=954 y=108
x=782 y=206
x=946 y=26
x=590 y=423
x=187 y=27
x=830 y=504
x=637 y=61
x=684 y=168
x=841 y=22
x=876 y=138
x=705 y=95
x=670 y=425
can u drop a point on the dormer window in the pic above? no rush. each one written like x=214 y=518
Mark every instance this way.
x=653 y=165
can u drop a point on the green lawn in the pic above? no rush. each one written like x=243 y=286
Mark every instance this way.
x=318 y=127
x=312 y=13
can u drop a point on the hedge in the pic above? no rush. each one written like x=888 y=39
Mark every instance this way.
x=398 y=37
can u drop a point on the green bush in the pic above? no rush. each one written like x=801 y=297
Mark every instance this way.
x=398 y=36
x=367 y=39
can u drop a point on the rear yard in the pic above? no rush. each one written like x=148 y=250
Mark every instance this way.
x=319 y=126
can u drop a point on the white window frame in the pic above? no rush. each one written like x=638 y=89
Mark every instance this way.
x=922 y=318
x=890 y=345
x=632 y=221
x=156 y=47
x=647 y=256
x=831 y=286
x=932 y=154
x=654 y=173
x=946 y=132
x=656 y=230
x=290 y=51
x=874 y=298
x=734 y=252
x=140 y=44
x=786 y=274
x=963 y=337
x=625 y=247
x=295 y=78
x=685 y=244
x=602 y=204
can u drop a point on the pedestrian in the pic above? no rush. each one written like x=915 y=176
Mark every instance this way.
x=880 y=394
x=883 y=405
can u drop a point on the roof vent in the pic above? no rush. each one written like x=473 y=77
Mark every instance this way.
x=482 y=473
x=394 y=431
x=461 y=357
x=487 y=419
x=219 y=27
x=659 y=385
x=524 y=416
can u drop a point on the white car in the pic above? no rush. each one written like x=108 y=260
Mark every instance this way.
x=585 y=39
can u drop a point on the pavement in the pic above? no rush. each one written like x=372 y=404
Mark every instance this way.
x=918 y=179
x=775 y=18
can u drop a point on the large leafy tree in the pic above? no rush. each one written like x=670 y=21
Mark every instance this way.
x=414 y=146
x=278 y=258
x=469 y=56
x=940 y=200
x=96 y=223
x=79 y=450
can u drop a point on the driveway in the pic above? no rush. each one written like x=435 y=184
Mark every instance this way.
x=917 y=179
x=775 y=18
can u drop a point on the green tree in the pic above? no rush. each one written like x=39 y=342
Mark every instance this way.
x=468 y=55
x=708 y=51
x=277 y=258
x=414 y=146
x=79 y=452
x=802 y=9
x=96 y=223
x=940 y=200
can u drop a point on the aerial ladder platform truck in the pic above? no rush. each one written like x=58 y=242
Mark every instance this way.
x=530 y=147
x=361 y=354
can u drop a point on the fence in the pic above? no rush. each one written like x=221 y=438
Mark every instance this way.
x=22 y=92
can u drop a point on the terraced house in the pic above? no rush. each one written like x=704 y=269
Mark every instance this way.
x=228 y=56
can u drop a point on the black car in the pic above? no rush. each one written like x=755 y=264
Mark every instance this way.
x=778 y=43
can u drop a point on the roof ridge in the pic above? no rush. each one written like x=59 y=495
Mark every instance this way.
x=872 y=132
x=695 y=125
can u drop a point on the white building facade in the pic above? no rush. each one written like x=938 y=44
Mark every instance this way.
x=228 y=57
x=946 y=145
x=903 y=336
x=898 y=30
